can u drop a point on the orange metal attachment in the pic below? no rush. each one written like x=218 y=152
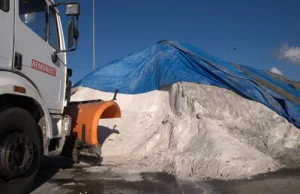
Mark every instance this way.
x=87 y=115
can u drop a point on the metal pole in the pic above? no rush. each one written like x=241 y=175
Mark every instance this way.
x=94 y=59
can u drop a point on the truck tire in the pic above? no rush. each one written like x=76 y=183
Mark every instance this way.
x=20 y=151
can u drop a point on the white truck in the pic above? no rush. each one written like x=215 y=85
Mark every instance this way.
x=36 y=115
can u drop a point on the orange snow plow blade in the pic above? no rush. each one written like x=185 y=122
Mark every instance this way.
x=86 y=115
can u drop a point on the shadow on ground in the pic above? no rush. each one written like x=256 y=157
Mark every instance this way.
x=151 y=183
x=282 y=181
x=105 y=183
x=79 y=180
x=50 y=166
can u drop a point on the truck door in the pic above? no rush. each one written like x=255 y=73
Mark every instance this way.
x=36 y=39
x=6 y=32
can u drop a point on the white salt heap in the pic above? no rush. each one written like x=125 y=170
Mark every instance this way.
x=196 y=131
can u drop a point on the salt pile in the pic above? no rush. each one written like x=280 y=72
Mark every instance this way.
x=196 y=131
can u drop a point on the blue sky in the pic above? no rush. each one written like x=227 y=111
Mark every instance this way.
x=257 y=28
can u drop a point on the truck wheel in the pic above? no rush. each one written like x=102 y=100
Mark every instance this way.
x=20 y=151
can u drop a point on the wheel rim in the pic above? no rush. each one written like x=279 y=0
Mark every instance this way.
x=16 y=155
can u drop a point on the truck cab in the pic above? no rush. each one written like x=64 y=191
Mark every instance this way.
x=35 y=28
x=36 y=117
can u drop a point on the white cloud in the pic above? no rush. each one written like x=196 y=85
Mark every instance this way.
x=275 y=70
x=290 y=54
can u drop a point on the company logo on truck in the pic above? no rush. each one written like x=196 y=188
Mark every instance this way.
x=43 y=67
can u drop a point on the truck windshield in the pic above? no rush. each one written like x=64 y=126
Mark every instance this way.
x=33 y=13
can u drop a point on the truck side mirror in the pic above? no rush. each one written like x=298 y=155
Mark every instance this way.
x=73 y=9
x=73 y=33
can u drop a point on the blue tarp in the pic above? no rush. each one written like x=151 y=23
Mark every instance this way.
x=169 y=62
